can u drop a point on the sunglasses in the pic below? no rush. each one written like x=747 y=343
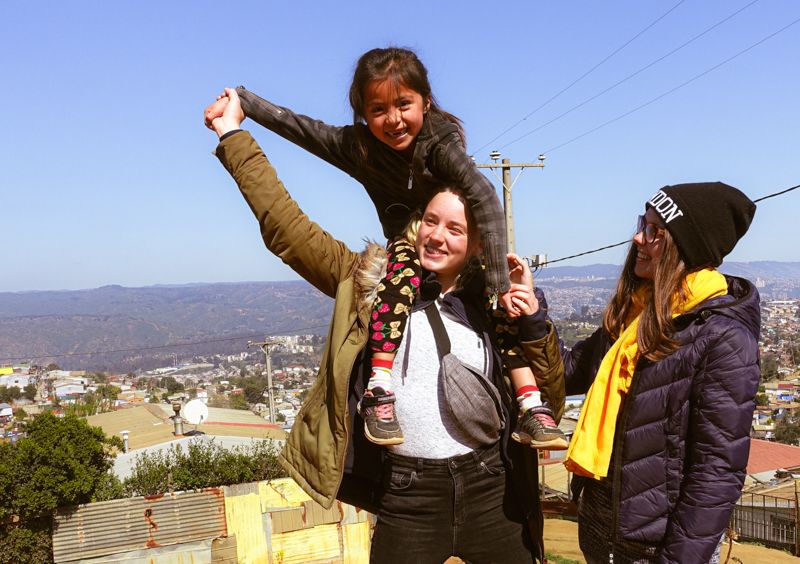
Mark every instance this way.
x=648 y=230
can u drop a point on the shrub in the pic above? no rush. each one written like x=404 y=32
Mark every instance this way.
x=203 y=464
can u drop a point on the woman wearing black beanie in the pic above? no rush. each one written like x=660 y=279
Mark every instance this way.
x=662 y=444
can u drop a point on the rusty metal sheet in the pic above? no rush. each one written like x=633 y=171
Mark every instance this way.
x=307 y=545
x=309 y=514
x=352 y=515
x=245 y=520
x=276 y=522
x=113 y=527
x=286 y=520
x=199 y=552
x=223 y=551
x=356 y=542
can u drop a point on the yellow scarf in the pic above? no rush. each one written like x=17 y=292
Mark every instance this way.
x=589 y=451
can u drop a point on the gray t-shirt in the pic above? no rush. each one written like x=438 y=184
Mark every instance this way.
x=429 y=429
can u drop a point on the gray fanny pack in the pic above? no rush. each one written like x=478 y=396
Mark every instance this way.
x=473 y=401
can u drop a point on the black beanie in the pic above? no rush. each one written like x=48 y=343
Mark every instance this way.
x=706 y=219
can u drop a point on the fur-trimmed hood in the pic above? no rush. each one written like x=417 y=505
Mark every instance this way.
x=369 y=272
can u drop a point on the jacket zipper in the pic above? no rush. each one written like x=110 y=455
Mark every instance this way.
x=411 y=177
x=618 y=445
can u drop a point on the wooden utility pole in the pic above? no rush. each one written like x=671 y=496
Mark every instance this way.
x=507 y=186
x=265 y=348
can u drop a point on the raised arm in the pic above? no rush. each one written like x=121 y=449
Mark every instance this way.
x=300 y=243
x=452 y=162
x=330 y=143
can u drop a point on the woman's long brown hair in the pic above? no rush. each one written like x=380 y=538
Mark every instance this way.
x=654 y=336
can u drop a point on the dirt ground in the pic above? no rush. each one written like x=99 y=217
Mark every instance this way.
x=561 y=538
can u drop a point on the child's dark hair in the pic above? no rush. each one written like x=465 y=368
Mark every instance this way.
x=405 y=69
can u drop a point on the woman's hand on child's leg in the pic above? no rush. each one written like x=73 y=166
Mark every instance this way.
x=520 y=274
x=518 y=270
x=511 y=308
x=521 y=295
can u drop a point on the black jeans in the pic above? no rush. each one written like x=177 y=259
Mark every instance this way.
x=462 y=506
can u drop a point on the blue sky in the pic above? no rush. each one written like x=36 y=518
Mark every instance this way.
x=107 y=175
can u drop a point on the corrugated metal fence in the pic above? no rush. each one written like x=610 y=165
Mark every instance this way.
x=259 y=523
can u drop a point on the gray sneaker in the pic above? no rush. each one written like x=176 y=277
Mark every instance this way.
x=380 y=424
x=537 y=428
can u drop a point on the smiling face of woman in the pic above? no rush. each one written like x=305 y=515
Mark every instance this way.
x=447 y=238
x=649 y=253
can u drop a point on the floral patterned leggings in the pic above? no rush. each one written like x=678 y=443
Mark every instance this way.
x=398 y=291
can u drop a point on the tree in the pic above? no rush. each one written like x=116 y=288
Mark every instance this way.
x=172 y=385
x=762 y=400
x=9 y=393
x=787 y=431
x=253 y=393
x=61 y=462
x=769 y=367
x=238 y=402
x=29 y=392
x=100 y=377
x=109 y=391
x=52 y=366
x=20 y=414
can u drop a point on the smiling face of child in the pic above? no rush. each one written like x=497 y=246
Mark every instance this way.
x=394 y=114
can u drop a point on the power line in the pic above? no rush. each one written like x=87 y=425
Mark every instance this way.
x=628 y=240
x=671 y=91
x=587 y=252
x=584 y=75
x=777 y=193
x=629 y=77
x=252 y=336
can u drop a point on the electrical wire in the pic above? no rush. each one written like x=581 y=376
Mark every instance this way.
x=670 y=91
x=777 y=193
x=252 y=336
x=584 y=75
x=629 y=77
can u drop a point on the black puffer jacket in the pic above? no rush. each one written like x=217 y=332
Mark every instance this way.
x=683 y=436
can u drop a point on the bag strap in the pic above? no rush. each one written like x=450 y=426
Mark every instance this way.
x=439 y=332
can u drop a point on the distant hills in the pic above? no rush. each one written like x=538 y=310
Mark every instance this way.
x=43 y=326
x=49 y=324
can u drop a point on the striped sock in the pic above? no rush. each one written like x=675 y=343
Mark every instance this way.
x=381 y=376
x=528 y=397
